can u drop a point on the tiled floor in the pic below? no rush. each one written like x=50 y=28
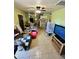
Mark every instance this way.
x=41 y=48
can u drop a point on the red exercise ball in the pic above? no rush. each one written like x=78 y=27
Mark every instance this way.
x=33 y=34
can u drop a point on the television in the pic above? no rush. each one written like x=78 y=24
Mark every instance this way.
x=60 y=32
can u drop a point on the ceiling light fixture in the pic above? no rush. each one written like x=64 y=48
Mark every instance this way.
x=38 y=11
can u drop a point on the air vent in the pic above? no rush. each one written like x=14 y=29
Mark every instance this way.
x=61 y=2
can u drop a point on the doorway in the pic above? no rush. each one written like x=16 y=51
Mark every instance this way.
x=21 y=22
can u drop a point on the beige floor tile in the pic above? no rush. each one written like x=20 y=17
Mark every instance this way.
x=43 y=48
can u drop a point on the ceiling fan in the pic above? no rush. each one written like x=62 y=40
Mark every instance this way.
x=36 y=9
x=40 y=8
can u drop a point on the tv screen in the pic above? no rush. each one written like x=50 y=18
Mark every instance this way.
x=60 y=32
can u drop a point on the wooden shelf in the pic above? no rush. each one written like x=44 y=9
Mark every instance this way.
x=60 y=47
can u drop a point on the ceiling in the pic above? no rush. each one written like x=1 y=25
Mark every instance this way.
x=30 y=5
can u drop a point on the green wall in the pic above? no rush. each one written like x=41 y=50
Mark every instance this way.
x=19 y=12
x=27 y=16
x=58 y=16
x=47 y=16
